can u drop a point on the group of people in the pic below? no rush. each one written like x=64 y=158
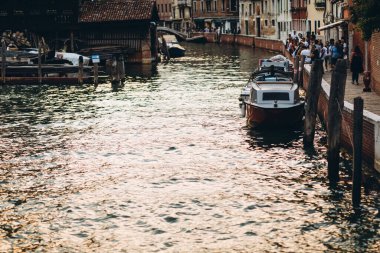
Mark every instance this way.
x=15 y=40
x=329 y=52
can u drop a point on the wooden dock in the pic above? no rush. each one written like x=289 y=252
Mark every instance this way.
x=47 y=80
x=46 y=69
x=46 y=74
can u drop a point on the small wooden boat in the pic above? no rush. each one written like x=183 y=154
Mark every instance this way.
x=197 y=39
x=274 y=99
x=173 y=47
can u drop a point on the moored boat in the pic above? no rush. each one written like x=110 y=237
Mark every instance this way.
x=197 y=39
x=173 y=47
x=274 y=100
x=279 y=63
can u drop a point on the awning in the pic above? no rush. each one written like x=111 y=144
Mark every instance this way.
x=332 y=25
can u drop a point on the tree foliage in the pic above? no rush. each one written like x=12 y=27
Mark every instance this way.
x=366 y=15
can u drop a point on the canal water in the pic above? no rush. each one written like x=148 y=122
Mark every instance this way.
x=166 y=164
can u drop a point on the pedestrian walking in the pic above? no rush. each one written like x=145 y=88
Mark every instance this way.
x=314 y=54
x=307 y=53
x=327 y=55
x=344 y=48
x=335 y=54
x=356 y=65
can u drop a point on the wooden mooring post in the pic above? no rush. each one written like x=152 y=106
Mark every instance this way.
x=295 y=68
x=96 y=74
x=121 y=68
x=115 y=73
x=301 y=70
x=39 y=61
x=358 y=147
x=3 y=61
x=72 y=42
x=80 y=70
x=335 y=115
x=311 y=108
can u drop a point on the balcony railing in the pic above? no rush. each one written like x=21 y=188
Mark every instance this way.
x=184 y=2
x=298 y=9
x=320 y=3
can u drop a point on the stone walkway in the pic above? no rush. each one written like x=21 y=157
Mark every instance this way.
x=371 y=99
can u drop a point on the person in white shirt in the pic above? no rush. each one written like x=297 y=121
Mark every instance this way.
x=294 y=35
x=304 y=42
x=345 y=49
x=306 y=53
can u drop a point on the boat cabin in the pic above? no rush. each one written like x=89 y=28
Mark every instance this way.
x=274 y=90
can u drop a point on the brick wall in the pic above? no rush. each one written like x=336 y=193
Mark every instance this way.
x=227 y=39
x=270 y=44
x=374 y=49
x=245 y=40
x=210 y=36
x=347 y=126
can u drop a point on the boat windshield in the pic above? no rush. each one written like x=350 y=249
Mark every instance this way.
x=276 y=96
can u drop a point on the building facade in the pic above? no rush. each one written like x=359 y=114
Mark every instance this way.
x=315 y=11
x=335 y=19
x=268 y=20
x=299 y=15
x=284 y=19
x=165 y=12
x=247 y=17
x=260 y=18
x=182 y=19
x=208 y=15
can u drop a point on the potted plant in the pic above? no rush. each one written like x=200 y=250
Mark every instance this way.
x=367 y=81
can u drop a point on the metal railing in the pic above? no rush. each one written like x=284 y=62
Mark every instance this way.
x=320 y=3
x=184 y=2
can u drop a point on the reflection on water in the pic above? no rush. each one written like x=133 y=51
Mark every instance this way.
x=271 y=138
x=167 y=164
x=138 y=71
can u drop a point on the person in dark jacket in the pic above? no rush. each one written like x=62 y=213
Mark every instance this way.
x=356 y=65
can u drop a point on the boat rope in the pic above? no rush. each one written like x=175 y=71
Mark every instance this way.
x=345 y=125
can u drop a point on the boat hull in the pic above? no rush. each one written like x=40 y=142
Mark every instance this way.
x=197 y=39
x=176 y=51
x=258 y=116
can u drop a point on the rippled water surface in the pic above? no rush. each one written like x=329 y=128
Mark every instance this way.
x=165 y=164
